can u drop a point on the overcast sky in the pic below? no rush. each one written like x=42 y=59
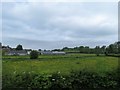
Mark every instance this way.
x=56 y=25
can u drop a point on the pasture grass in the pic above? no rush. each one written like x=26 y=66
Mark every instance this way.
x=48 y=64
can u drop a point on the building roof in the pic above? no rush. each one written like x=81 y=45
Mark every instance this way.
x=52 y=52
x=17 y=51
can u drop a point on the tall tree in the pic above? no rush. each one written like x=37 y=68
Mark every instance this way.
x=81 y=48
x=19 y=47
x=86 y=49
x=97 y=50
x=65 y=48
x=118 y=43
x=103 y=49
x=111 y=48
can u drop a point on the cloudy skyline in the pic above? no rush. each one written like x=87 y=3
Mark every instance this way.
x=56 y=25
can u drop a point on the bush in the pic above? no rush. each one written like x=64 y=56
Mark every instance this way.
x=33 y=54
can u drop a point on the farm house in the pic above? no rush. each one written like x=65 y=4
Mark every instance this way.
x=16 y=52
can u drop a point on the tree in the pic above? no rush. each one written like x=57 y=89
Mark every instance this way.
x=39 y=50
x=19 y=47
x=111 y=49
x=117 y=47
x=65 y=48
x=81 y=48
x=56 y=50
x=97 y=50
x=33 y=54
x=86 y=49
x=103 y=49
x=118 y=43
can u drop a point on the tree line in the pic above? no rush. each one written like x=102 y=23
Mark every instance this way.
x=107 y=50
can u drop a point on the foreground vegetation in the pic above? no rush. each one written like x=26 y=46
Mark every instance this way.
x=61 y=71
x=73 y=81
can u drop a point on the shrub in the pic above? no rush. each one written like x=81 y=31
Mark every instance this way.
x=33 y=54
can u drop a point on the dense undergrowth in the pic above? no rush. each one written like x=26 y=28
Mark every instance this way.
x=74 y=81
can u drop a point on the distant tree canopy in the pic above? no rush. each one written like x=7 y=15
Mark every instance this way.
x=113 y=48
x=19 y=47
x=103 y=49
x=97 y=50
x=107 y=50
x=56 y=50
x=39 y=49
x=110 y=49
x=65 y=48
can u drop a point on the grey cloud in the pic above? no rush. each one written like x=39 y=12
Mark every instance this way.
x=69 y=23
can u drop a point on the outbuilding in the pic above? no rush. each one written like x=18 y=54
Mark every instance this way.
x=52 y=53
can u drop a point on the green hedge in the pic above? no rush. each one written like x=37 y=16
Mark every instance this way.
x=74 y=81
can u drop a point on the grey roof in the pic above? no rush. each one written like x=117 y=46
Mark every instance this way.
x=56 y=52
x=17 y=51
x=52 y=52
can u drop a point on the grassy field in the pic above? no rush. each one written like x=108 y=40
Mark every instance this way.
x=59 y=63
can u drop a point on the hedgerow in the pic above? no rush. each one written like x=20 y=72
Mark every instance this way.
x=75 y=80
